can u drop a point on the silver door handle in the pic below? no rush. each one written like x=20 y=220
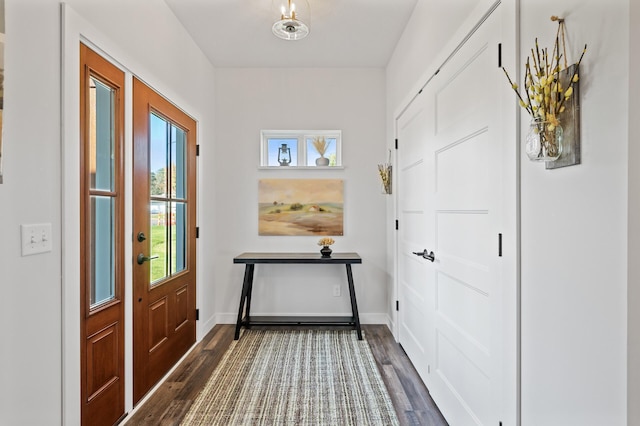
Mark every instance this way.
x=429 y=256
x=142 y=258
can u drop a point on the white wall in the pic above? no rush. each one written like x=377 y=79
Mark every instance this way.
x=30 y=353
x=163 y=55
x=248 y=100
x=633 y=304
x=574 y=232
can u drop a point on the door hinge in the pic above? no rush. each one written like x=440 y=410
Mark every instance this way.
x=499 y=55
x=397 y=305
x=197 y=314
x=197 y=150
x=197 y=232
x=499 y=245
x=397 y=225
x=396 y=143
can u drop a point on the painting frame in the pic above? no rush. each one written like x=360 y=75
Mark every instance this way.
x=301 y=207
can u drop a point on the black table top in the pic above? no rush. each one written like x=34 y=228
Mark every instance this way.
x=274 y=257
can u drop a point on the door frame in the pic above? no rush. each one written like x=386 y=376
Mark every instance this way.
x=76 y=29
x=510 y=111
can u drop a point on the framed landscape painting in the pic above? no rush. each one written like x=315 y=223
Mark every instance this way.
x=300 y=207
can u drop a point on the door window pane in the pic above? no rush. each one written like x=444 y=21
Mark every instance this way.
x=178 y=163
x=158 y=156
x=102 y=250
x=101 y=135
x=158 y=241
x=178 y=238
x=168 y=199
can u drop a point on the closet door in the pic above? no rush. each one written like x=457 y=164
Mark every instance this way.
x=451 y=199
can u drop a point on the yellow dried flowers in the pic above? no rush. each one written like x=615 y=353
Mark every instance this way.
x=326 y=241
x=544 y=95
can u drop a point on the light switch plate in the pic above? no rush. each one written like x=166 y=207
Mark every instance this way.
x=36 y=238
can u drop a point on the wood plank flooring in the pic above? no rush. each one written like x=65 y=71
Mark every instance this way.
x=170 y=403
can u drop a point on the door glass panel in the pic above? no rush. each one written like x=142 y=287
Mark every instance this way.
x=101 y=135
x=168 y=203
x=178 y=163
x=158 y=156
x=178 y=237
x=158 y=240
x=102 y=247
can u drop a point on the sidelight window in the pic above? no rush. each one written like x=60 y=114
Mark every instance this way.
x=101 y=217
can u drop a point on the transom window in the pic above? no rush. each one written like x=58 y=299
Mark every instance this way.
x=301 y=148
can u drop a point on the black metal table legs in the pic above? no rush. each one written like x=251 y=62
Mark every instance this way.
x=354 y=305
x=245 y=296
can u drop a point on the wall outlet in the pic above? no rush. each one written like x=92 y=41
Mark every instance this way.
x=336 y=290
x=35 y=238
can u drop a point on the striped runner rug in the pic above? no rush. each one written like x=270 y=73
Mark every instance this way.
x=294 y=377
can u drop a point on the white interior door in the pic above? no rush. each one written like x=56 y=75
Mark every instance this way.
x=450 y=201
x=415 y=233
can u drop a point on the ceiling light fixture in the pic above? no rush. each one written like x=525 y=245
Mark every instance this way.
x=290 y=26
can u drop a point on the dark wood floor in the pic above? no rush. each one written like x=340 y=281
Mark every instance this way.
x=171 y=401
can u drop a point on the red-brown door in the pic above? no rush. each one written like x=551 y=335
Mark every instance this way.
x=101 y=224
x=164 y=225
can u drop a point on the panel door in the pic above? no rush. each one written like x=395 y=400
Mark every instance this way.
x=164 y=248
x=461 y=191
x=415 y=233
x=467 y=153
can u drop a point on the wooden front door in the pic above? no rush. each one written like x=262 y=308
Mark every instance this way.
x=101 y=230
x=164 y=226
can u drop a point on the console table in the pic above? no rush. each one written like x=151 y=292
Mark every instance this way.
x=251 y=259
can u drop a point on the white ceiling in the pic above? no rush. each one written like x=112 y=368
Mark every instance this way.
x=344 y=33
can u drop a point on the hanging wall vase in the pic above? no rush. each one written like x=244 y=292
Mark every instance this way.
x=544 y=141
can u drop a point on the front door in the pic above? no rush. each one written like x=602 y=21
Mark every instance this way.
x=164 y=233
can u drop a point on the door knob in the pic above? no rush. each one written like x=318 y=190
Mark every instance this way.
x=142 y=258
x=429 y=256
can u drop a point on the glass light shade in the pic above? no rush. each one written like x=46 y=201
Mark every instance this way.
x=294 y=19
x=289 y=29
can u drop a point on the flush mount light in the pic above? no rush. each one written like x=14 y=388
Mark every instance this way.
x=290 y=25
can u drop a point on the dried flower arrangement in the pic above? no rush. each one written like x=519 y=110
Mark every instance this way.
x=545 y=96
x=385 y=174
x=320 y=144
x=326 y=241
